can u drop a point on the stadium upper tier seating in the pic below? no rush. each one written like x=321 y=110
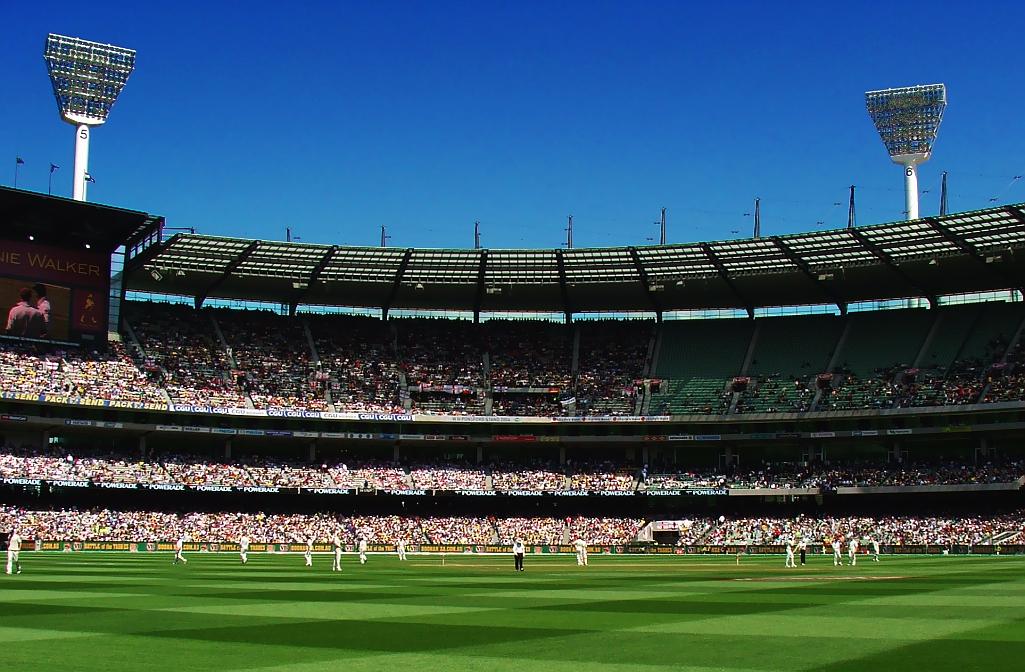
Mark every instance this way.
x=259 y=359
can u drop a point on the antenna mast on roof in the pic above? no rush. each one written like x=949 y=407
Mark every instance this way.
x=384 y=236
x=758 y=218
x=569 y=232
x=852 y=219
x=662 y=230
x=476 y=235
x=943 y=195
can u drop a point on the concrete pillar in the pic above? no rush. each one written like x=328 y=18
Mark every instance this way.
x=227 y=449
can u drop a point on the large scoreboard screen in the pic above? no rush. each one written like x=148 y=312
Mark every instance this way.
x=53 y=293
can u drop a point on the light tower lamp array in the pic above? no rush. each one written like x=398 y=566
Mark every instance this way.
x=87 y=78
x=907 y=120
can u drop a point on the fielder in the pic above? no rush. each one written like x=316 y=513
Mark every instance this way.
x=852 y=551
x=243 y=548
x=308 y=555
x=400 y=549
x=362 y=551
x=581 y=547
x=13 y=550
x=837 y=556
x=875 y=549
x=790 y=554
x=179 y=546
x=336 y=545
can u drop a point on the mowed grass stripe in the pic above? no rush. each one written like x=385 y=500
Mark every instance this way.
x=95 y=611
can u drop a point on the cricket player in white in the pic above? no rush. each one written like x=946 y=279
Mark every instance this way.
x=790 y=554
x=179 y=546
x=875 y=549
x=362 y=551
x=400 y=549
x=852 y=551
x=518 y=549
x=308 y=555
x=581 y=547
x=243 y=548
x=13 y=549
x=837 y=556
x=336 y=545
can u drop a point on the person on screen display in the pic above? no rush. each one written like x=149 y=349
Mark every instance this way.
x=24 y=319
x=42 y=305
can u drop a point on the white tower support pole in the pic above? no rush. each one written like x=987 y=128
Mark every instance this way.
x=911 y=190
x=81 y=160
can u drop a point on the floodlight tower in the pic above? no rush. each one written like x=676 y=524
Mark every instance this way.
x=907 y=120
x=87 y=78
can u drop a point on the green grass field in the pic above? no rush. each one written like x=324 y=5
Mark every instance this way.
x=109 y=611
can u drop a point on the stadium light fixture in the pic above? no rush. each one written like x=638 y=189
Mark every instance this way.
x=87 y=78
x=907 y=120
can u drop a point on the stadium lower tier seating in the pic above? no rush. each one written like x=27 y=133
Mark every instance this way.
x=226 y=527
x=115 y=525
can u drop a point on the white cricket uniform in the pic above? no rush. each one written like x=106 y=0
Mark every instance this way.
x=581 y=547
x=790 y=555
x=837 y=556
x=179 y=546
x=875 y=549
x=13 y=551
x=852 y=551
x=400 y=549
x=362 y=551
x=243 y=549
x=336 y=545
x=309 y=553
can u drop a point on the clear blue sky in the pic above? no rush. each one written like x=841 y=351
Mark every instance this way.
x=334 y=118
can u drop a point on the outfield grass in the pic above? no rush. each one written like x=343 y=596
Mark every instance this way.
x=115 y=611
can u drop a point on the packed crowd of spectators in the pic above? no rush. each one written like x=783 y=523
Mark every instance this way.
x=358 y=353
x=76 y=372
x=531 y=478
x=532 y=531
x=443 y=366
x=448 y=477
x=459 y=530
x=180 y=352
x=604 y=530
x=830 y=476
x=893 y=530
x=440 y=353
x=527 y=353
x=151 y=526
x=274 y=361
x=278 y=471
x=602 y=477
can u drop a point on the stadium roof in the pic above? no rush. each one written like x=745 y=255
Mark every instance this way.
x=966 y=252
x=62 y=222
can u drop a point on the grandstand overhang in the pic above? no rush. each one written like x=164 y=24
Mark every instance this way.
x=64 y=222
x=922 y=258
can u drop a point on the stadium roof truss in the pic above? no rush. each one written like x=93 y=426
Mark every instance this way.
x=966 y=252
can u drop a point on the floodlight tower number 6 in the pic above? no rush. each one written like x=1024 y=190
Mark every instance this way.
x=908 y=120
x=87 y=78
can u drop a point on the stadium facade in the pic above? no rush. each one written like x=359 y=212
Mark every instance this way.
x=928 y=383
